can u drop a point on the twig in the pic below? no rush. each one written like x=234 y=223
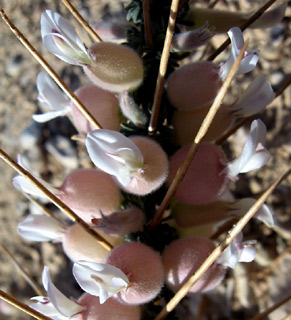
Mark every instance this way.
x=50 y=71
x=163 y=66
x=213 y=4
x=147 y=23
x=220 y=248
x=82 y=21
x=201 y=133
x=245 y=25
x=23 y=307
x=55 y=200
x=240 y=123
x=278 y=304
x=35 y=286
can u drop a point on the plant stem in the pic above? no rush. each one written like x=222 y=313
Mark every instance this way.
x=50 y=71
x=93 y=34
x=55 y=200
x=147 y=23
x=163 y=67
x=23 y=307
x=245 y=25
x=278 y=304
x=220 y=248
x=200 y=134
x=35 y=286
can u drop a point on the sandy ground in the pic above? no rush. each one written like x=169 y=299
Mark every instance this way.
x=259 y=283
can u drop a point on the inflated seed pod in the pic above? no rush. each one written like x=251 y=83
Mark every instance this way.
x=110 y=310
x=144 y=269
x=116 y=68
x=79 y=245
x=205 y=179
x=87 y=191
x=155 y=170
x=103 y=106
x=194 y=85
x=183 y=257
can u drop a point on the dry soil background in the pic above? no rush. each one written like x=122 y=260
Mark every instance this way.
x=254 y=286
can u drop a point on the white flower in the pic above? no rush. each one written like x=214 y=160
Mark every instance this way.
x=60 y=38
x=50 y=95
x=23 y=184
x=55 y=305
x=254 y=155
x=254 y=99
x=101 y=280
x=264 y=214
x=115 y=154
x=37 y=227
x=249 y=60
x=237 y=251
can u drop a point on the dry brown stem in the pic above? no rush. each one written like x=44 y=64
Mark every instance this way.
x=200 y=134
x=147 y=23
x=93 y=34
x=245 y=25
x=220 y=248
x=55 y=200
x=243 y=121
x=163 y=67
x=23 y=307
x=278 y=304
x=50 y=71
x=35 y=286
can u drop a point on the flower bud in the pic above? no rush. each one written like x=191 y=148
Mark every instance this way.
x=116 y=68
x=121 y=223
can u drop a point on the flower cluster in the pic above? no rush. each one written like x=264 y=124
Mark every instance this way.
x=132 y=171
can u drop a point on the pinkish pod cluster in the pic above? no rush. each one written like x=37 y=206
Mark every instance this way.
x=127 y=170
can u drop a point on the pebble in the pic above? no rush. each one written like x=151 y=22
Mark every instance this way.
x=14 y=66
x=62 y=150
x=30 y=136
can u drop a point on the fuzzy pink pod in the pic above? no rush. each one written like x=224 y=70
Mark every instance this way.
x=205 y=180
x=186 y=124
x=87 y=191
x=155 y=171
x=103 y=106
x=194 y=85
x=79 y=245
x=183 y=257
x=117 y=68
x=110 y=310
x=144 y=269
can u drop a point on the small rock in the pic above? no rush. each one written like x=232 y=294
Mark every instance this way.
x=63 y=150
x=30 y=136
x=14 y=66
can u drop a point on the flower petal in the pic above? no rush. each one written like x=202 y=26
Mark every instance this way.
x=114 y=153
x=60 y=38
x=65 y=306
x=41 y=118
x=50 y=94
x=254 y=155
x=249 y=61
x=101 y=280
x=40 y=228
x=255 y=98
